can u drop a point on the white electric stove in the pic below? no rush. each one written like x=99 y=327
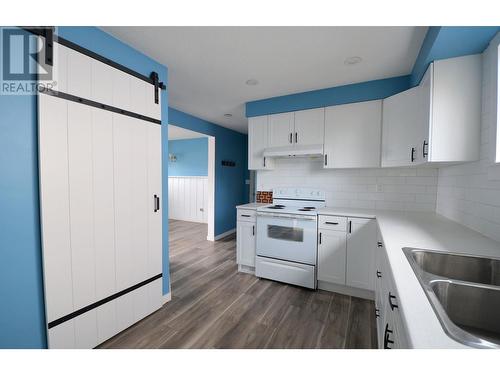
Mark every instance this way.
x=287 y=236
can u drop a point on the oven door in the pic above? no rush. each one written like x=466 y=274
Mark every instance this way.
x=287 y=237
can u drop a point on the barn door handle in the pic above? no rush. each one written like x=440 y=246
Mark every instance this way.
x=157 y=203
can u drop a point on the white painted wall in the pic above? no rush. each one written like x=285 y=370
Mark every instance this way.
x=470 y=193
x=188 y=198
x=403 y=189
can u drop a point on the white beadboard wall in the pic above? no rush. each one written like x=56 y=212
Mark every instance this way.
x=403 y=189
x=470 y=193
x=188 y=198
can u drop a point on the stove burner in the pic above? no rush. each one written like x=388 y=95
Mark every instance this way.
x=277 y=207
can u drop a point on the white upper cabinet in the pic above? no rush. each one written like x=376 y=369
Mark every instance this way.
x=451 y=96
x=281 y=129
x=257 y=143
x=400 y=128
x=309 y=127
x=352 y=135
x=438 y=121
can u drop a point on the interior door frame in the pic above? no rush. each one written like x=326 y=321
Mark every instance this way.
x=211 y=189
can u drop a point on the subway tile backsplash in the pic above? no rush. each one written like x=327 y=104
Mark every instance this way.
x=412 y=189
x=470 y=193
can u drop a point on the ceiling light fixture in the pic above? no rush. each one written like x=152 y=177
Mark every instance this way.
x=252 y=82
x=353 y=60
x=228 y=115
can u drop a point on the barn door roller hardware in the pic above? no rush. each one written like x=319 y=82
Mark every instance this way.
x=156 y=83
x=49 y=45
x=48 y=33
x=41 y=31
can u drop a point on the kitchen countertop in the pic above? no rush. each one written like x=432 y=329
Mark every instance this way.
x=252 y=206
x=427 y=231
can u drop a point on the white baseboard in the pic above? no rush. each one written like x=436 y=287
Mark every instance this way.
x=347 y=290
x=246 y=269
x=225 y=234
x=166 y=297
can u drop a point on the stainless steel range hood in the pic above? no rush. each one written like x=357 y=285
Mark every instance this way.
x=293 y=151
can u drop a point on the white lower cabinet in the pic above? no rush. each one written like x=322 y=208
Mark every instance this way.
x=361 y=244
x=346 y=253
x=391 y=331
x=245 y=240
x=332 y=256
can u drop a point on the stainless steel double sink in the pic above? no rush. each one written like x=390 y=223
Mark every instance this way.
x=464 y=291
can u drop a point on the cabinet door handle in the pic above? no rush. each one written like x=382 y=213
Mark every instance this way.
x=387 y=339
x=290 y=137
x=326 y=159
x=393 y=305
x=379 y=244
x=424 y=151
x=379 y=274
x=264 y=161
x=412 y=154
x=296 y=138
x=156 y=203
x=350 y=226
x=377 y=313
x=253 y=230
x=331 y=223
x=320 y=237
x=245 y=215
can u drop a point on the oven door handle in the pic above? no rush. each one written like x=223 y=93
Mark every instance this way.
x=285 y=216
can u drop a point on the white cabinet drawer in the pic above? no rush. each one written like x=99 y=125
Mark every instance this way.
x=286 y=272
x=338 y=223
x=246 y=215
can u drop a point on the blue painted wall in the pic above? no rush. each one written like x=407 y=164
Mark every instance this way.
x=192 y=157
x=230 y=187
x=439 y=43
x=22 y=312
x=357 y=92
x=443 y=42
x=21 y=308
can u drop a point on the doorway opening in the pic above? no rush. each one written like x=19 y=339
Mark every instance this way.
x=191 y=179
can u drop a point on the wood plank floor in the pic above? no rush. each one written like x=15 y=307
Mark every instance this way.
x=214 y=306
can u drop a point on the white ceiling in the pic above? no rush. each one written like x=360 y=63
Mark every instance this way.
x=175 y=132
x=208 y=66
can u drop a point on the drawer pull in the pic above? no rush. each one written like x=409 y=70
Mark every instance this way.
x=387 y=339
x=331 y=223
x=393 y=305
x=379 y=274
x=244 y=215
